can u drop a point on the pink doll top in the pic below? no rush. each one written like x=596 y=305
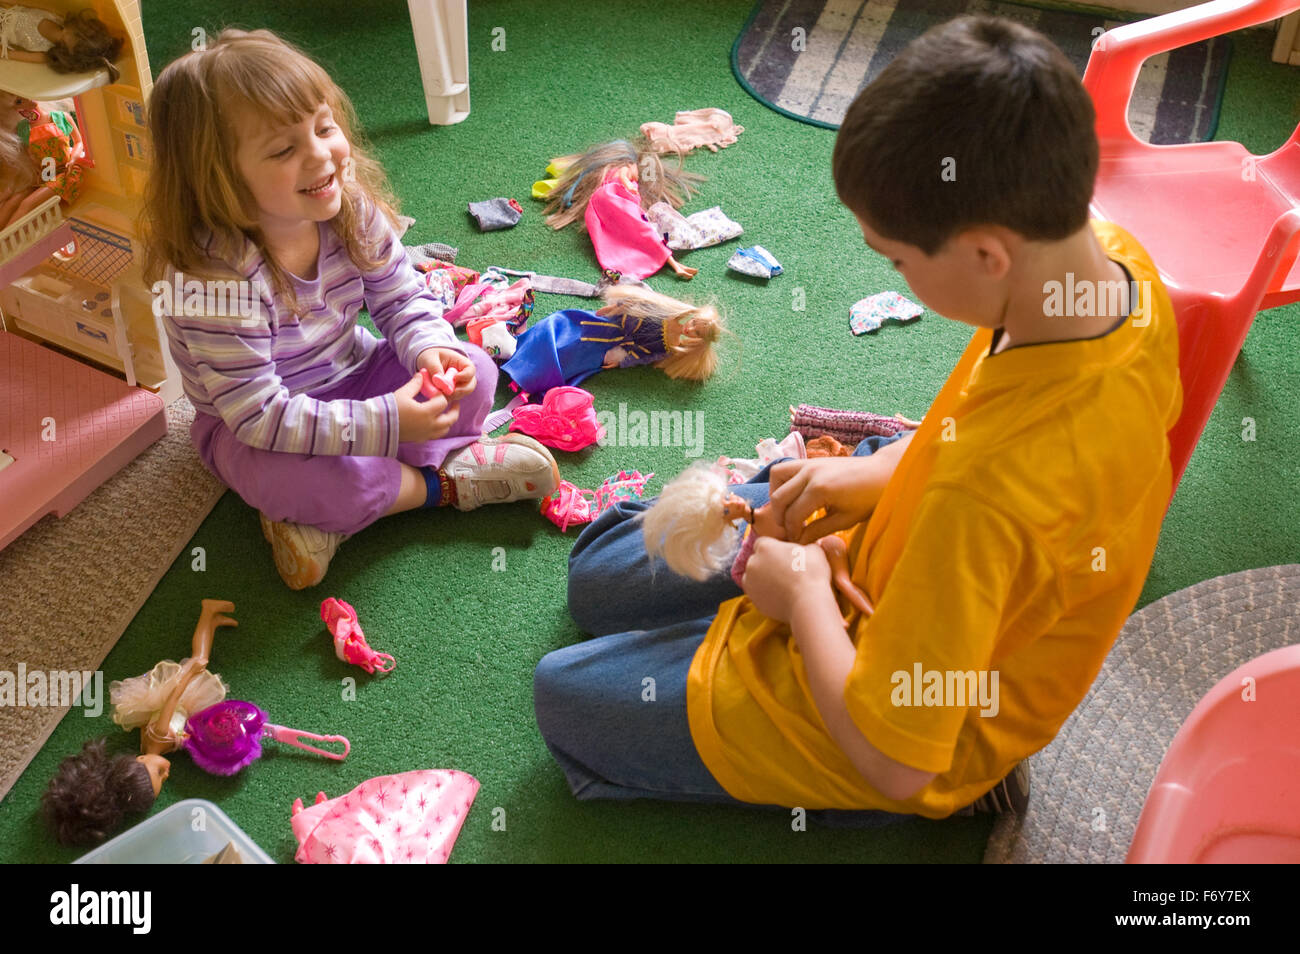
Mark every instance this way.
x=411 y=818
x=624 y=239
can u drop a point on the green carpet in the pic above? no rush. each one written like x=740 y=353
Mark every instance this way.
x=467 y=637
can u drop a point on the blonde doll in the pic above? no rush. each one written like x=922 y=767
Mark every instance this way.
x=636 y=326
x=609 y=187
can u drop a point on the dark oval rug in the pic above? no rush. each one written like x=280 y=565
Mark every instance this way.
x=808 y=59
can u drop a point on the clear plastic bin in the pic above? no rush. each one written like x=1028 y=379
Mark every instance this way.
x=170 y=838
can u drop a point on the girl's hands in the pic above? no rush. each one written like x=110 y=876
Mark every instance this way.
x=419 y=420
x=779 y=575
x=848 y=488
x=437 y=359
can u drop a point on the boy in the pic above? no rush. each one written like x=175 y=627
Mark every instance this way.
x=1003 y=544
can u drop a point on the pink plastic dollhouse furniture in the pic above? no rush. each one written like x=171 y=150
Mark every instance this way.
x=1222 y=225
x=84 y=370
x=1228 y=790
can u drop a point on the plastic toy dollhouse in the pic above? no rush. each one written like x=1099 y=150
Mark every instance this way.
x=84 y=370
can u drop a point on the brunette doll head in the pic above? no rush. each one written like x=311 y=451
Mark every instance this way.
x=85 y=45
x=91 y=793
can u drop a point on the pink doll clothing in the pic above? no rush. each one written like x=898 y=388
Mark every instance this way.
x=625 y=240
x=710 y=127
x=411 y=818
x=566 y=419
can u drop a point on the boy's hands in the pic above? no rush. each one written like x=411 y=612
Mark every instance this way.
x=847 y=488
x=419 y=420
x=779 y=575
x=437 y=359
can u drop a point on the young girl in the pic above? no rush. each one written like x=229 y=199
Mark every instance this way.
x=76 y=43
x=269 y=229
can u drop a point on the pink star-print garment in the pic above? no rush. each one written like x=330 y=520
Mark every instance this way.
x=411 y=818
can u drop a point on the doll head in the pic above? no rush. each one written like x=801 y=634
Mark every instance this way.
x=687 y=527
x=201 y=105
x=91 y=792
x=85 y=45
x=690 y=331
x=585 y=173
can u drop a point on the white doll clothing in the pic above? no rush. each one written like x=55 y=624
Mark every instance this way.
x=20 y=28
x=697 y=230
x=137 y=700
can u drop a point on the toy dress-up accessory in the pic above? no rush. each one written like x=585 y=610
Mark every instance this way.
x=637 y=326
x=224 y=738
x=349 y=641
x=571 y=504
x=433 y=385
x=690 y=527
x=410 y=818
x=609 y=187
x=91 y=792
x=711 y=128
x=566 y=419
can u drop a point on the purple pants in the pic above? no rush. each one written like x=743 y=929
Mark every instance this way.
x=340 y=494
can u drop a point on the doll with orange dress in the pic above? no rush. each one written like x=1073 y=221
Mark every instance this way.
x=42 y=152
x=610 y=186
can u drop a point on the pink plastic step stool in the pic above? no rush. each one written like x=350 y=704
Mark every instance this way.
x=1228 y=790
x=98 y=422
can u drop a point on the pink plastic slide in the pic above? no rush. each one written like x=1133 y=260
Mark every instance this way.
x=1228 y=790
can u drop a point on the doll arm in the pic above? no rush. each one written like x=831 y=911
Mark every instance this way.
x=406 y=312
x=26 y=56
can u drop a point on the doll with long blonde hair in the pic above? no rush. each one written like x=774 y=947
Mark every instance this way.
x=268 y=228
x=636 y=326
x=608 y=187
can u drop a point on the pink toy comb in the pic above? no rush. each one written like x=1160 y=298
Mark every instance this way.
x=349 y=641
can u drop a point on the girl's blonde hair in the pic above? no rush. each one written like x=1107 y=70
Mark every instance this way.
x=195 y=181
x=693 y=357
x=584 y=173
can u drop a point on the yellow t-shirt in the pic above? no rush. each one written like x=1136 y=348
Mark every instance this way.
x=1004 y=556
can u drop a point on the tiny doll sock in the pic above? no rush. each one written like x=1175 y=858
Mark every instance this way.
x=441 y=490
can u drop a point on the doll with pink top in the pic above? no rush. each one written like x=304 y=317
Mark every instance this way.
x=609 y=186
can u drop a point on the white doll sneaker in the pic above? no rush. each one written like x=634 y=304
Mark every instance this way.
x=500 y=470
x=302 y=553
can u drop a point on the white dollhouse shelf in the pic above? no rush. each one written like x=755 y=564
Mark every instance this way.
x=38 y=81
x=32 y=239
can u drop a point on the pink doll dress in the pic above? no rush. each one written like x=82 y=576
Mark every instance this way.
x=625 y=240
x=411 y=818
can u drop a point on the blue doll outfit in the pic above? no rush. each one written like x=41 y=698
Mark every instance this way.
x=569 y=346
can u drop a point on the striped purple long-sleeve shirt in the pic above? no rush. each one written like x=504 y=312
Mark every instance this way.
x=253 y=363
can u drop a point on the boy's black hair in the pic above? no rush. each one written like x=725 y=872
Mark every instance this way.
x=978 y=121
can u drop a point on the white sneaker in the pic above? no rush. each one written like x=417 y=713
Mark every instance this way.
x=501 y=470
x=302 y=553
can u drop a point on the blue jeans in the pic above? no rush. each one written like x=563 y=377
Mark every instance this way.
x=612 y=710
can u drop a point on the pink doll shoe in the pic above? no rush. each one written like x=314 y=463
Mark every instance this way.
x=435 y=384
x=566 y=419
x=349 y=642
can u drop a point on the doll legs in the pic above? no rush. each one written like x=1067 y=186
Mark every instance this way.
x=339 y=494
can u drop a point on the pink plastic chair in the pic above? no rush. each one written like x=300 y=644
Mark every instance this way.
x=1228 y=788
x=1221 y=224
